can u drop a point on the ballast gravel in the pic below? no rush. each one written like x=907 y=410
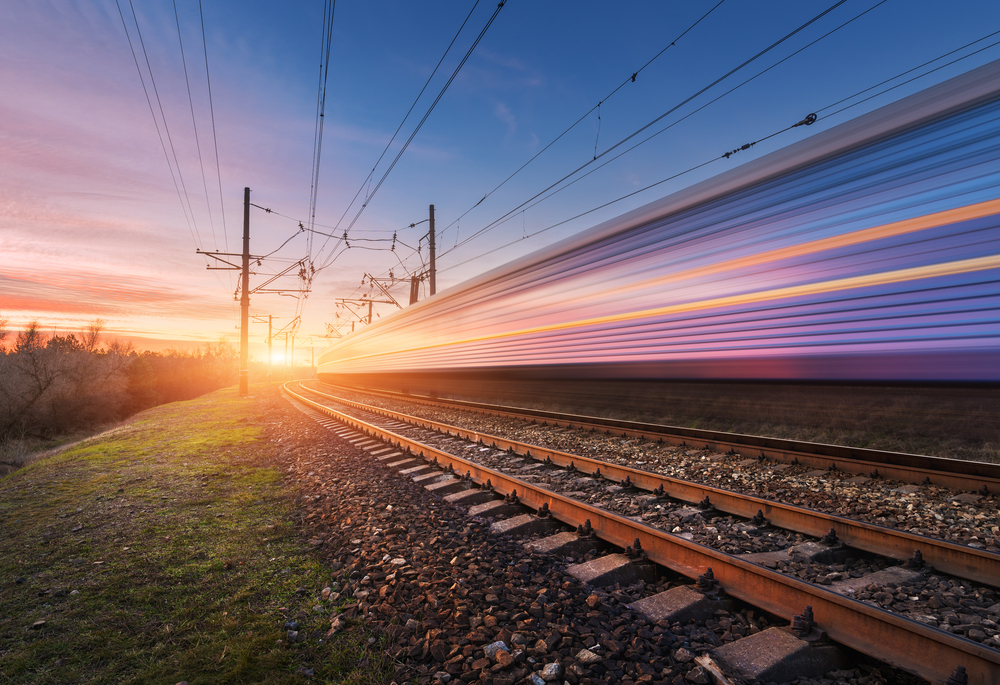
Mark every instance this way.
x=934 y=511
x=458 y=604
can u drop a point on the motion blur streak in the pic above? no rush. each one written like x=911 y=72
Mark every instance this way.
x=868 y=252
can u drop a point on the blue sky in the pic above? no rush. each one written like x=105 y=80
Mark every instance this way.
x=91 y=224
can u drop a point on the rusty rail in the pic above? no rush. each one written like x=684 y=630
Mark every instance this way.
x=949 y=557
x=900 y=642
x=913 y=468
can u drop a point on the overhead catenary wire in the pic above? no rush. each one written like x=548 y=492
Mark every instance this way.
x=184 y=210
x=163 y=116
x=583 y=117
x=669 y=111
x=898 y=85
x=215 y=137
x=539 y=200
x=615 y=156
x=326 y=42
x=458 y=244
x=725 y=155
x=744 y=147
x=368 y=178
x=194 y=126
x=430 y=109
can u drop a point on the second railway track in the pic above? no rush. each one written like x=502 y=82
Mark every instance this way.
x=911 y=645
x=912 y=468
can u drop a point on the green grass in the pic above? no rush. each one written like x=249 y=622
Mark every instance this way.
x=162 y=552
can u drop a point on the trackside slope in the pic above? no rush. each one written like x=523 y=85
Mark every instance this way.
x=166 y=551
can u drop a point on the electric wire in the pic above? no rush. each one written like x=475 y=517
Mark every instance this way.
x=666 y=128
x=938 y=68
x=190 y=220
x=368 y=179
x=159 y=134
x=215 y=138
x=630 y=79
x=659 y=118
x=326 y=44
x=163 y=116
x=827 y=107
x=431 y=109
x=194 y=126
x=747 y=146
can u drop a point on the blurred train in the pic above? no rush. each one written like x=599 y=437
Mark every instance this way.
x=867 y=253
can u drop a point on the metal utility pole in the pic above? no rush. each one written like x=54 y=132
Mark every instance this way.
x=244 y=285
x=433 y=253
x=245 y=300
x=414 y=289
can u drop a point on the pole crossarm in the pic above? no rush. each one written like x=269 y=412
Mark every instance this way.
x=243 y=291
x=385 y=291
x=299 y=265
x=219 y=256
x=294 y=322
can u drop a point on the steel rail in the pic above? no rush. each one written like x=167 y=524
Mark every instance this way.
x=928 y=652
x=948 y=557
x=959 y=474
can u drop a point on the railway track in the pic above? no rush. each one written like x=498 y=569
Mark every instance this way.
x=912 y=646
x=972 y=476
x=955 y=559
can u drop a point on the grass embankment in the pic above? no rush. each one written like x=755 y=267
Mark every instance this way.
x=164 y=551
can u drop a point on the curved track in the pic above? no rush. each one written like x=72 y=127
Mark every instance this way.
x=915 y=647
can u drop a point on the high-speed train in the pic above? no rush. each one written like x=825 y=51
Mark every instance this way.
x=869 y=252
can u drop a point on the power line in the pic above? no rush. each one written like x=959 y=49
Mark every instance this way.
x=948 y=64
x=194 y=125
x=326 y=43
x=808 y=121
x=431 y=109
x=749 y=145
x=405 y=117
x=166 y=128
x=156 y=124
x=671 y=110
x=215 y=139
x=630 y=79
x=669 y=126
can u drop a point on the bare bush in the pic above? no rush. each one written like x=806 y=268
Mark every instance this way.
x=15 y=452
x=56 y=384
x=53 y=385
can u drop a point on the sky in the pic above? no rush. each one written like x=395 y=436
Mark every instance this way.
x=100 y=219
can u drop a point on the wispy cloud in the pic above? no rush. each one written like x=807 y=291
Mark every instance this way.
x=504 y=114
x=100 y=294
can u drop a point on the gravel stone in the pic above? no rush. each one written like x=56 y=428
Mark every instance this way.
x=439 y=618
